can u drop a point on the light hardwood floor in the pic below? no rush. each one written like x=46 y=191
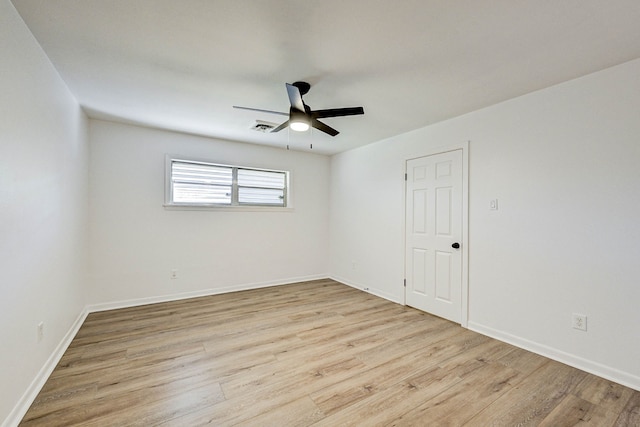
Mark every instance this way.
x=316 y=353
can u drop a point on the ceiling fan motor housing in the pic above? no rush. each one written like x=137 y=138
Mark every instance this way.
x=303 y=87
x=296 y=115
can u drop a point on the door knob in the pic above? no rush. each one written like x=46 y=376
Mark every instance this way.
x=456 y=245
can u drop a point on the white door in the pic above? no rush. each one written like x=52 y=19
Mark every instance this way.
x=433 y=258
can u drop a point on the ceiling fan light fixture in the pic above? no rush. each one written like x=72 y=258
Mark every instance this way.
x=299 y=125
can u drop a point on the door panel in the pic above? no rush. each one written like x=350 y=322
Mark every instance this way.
x=419 y=212
x=443 y=211
x=434 y=223
x=443 y=276
x=419 y=269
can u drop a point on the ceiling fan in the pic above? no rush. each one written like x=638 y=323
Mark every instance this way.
x=301 y=117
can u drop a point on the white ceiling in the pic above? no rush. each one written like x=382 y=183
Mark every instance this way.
x=182 y=64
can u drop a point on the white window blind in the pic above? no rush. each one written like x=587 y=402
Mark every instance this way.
x=194 y=183
x=259 y=187
x=198 y=183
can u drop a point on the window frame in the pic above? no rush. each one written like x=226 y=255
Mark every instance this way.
x=235 y=205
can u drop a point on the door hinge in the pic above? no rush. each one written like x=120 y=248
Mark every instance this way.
x=405 y=176
x=405 y=283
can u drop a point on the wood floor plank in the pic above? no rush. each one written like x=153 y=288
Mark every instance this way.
x=606 y=394
x=522 y=360
x=533 y=399
x=392 y=402
x=301 y=412
x=630 y=415
x=315 y=353
x=573 y=411
x=309 y=376
x=459 y=403
x=395 y=369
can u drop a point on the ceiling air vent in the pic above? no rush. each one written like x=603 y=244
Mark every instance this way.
x=264 y=127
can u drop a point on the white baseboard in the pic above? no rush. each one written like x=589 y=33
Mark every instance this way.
x=586 y=365
x=367 y=288
x=21 y=408
x=201 y=293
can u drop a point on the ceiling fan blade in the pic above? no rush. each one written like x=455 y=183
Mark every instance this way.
x=337 y=112
x=324 y=128
x=262 y=111
x=279 y=128
x=294 y=97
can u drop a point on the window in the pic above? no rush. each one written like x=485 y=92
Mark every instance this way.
x=192 y=183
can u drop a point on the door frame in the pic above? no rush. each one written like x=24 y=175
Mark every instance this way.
x=464 y=240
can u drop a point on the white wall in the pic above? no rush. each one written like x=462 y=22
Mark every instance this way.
x=136 y=242
x=43 y=210
x=564 y=163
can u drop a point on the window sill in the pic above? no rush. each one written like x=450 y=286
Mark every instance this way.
x=170 y=207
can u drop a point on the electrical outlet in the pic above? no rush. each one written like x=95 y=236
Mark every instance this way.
x=174 y=274
x=579 y=321
x=493 y=204
x=40 y=331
